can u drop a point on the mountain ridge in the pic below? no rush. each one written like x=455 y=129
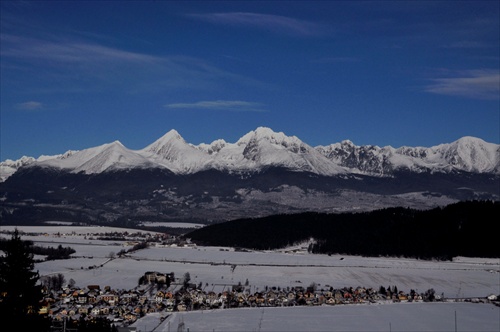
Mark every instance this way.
x=263 y=148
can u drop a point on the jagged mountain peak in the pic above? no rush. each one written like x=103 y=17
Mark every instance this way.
x=173 y=152
x=347 y=142
x=168 y=147
x=170 y=138
x=213 y=147
x=264 y=139
x=172 y=134
x=266 y=133
x=264 y=147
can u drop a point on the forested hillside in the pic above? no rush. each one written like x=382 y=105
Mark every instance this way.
x=461 y=229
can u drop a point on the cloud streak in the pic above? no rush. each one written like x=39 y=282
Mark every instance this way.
x=476 y=84
x=67 y=52
x=220 y=105
x=29 y=106
x=274 y=23
x=90 y=66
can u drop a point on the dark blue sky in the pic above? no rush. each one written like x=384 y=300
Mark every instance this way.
x=77 y=74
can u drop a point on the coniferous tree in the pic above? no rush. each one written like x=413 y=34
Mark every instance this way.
x=187 y=279
x=20 y=293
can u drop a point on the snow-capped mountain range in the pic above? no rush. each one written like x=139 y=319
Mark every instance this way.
x=263 y=173
x=263 y=148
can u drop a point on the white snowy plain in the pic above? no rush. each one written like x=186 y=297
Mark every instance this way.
x=212 y=267
x=410 y=317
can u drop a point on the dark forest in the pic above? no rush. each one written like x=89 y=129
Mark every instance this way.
x=461 y=229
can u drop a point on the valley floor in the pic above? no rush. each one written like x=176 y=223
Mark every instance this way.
x=218 y=269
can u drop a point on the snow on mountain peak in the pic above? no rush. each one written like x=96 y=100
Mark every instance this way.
x=9 y=167
x=471 y=154
x=213 y=147
x=168 y=139
x=172 y=134
x=98 y=159
x=113 y=156
x=267 y=134
x=173 y=152
x=263 y=148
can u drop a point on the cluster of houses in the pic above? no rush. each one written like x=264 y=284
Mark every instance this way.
x=158 y=295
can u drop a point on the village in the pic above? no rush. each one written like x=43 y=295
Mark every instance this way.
x=163 y=293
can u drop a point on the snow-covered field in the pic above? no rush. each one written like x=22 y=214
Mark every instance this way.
x=218 y=268
x=411 y=317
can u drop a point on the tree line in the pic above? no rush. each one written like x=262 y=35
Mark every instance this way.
x=461 y=229
x=52 y=253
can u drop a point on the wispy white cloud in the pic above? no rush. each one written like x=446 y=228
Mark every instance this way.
x=477 y=84
x=29 y=106
x=220 y=105
x=67 y=51
x=69 y=64
x=273 y=23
